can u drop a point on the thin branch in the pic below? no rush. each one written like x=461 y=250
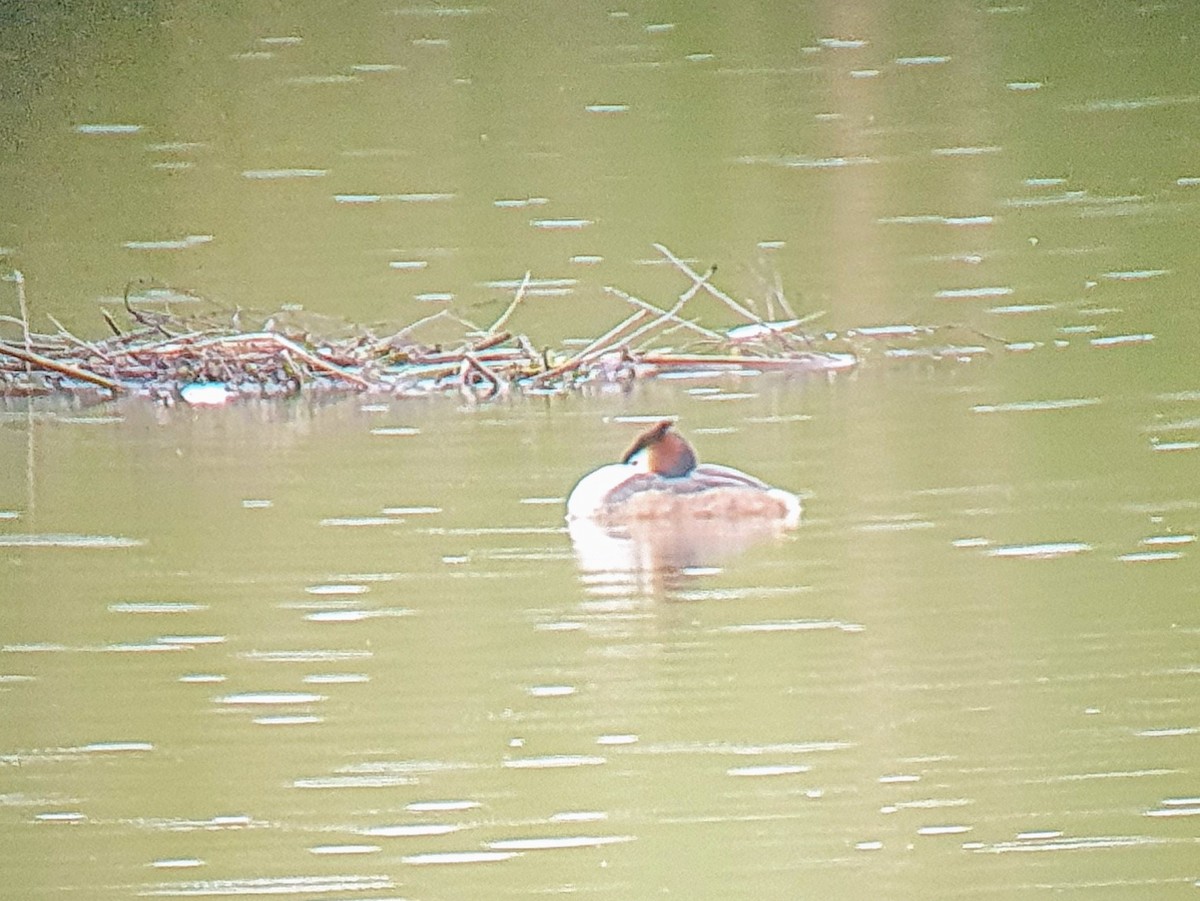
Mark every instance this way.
x=19 y=278
x=470 y=364
x=412 y=327
x=673 y=313
x=112 y=323
x=499 y=323
x=78 y=342
x=814 y=361
x=527 y=348
x=781 y=298
x=708 y=286
x=490 y=340
x=62 y=368
x=666 y=314
x=268 y=338
x=594 y=349
x=142 y=318
x=973 y=331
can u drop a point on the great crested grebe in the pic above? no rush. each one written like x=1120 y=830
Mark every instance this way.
x=659 y=478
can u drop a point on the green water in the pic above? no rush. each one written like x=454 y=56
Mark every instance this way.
x=349 y=649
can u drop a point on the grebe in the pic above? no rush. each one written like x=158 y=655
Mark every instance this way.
x=659 y=478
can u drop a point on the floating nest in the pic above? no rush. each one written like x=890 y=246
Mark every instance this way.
x=213 y=357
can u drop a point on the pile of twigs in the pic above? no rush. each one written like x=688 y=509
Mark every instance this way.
x=211 y=358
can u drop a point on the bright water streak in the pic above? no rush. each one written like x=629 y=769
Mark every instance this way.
x=347 y=650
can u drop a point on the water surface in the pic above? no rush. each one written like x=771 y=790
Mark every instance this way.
x=349 y=650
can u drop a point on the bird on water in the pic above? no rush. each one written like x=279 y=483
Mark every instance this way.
x=661 y=478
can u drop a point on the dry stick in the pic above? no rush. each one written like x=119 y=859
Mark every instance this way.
x=499 y=355
x=672 y=313
x=971 y=330
x=737 y=307
x=602 y=344
x=771 y=283
x=30 y=461
x=19 y=278
x=738 y=360
x=271 y=338
x=469 y=364
x=112 y=323
x=595 y=348
x=63 y=368
x=489 y=340
x=646 y=346
x=782 y=298
x=287 y=344
x=15 y=320
x=290 y=368
x=527 y=348
x=499 y=323
x=408 y=329
x=651 y=308
x=710 y=288
x=78 y=342
x=440 y=314
x=788 y=335
x=139 y=317
x=178 y=343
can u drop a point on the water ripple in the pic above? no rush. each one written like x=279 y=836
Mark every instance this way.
x=155 y=607
x=459 y=857
x=1070 y=844
x=794 y=625
x=410 y=830
x=315 y=655
x=554 y=761
x=768 y=770
x=561 y=224
x=568 y=841
x=339 y=782
x=356 y=615
x=114 y=747
x=270 y=697
x=276 y=885
x=274 y=174
x=68 y=540
x=344 y=849
x=1040 y=551
x=441 y=806
x=107 y=129
x=1024 y=406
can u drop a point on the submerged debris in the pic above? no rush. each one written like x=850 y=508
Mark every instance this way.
x=211 y=358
